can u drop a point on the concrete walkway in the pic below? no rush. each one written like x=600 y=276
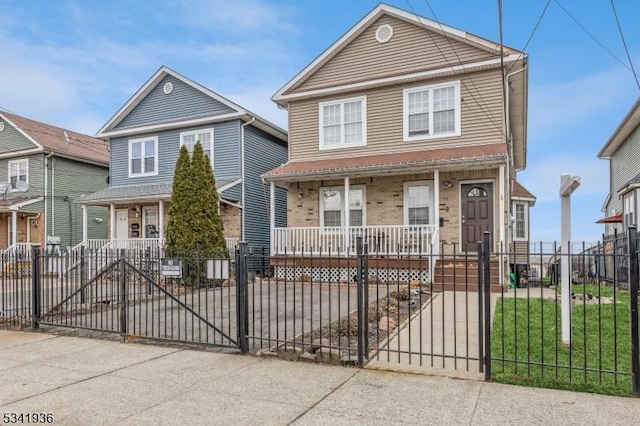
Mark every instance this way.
x=443 y=337
x=85 y=381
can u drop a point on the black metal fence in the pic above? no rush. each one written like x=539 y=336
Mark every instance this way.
x=452 y=312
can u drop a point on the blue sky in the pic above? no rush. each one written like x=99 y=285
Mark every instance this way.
x=75 y=63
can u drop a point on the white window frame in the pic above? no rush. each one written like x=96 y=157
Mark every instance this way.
x=145 y=210
x=430 y=197
x=340 y=189
x=628 y=209
x=196 y=133
x=430 y=89
x=16 y=164
x=155 y=156
x=341 y=102
x=525 y=206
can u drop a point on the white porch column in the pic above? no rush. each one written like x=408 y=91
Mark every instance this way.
x=272 y=215
x=112 y=221
x=14 y=228
x=436 y=210
x=161 y=219
x=346 y=214
x=85 y=223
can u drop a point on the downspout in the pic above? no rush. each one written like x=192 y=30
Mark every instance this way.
x=46 y=189
x=507 y=205
x=53 y=197
x=508 y=121
x=242 y=225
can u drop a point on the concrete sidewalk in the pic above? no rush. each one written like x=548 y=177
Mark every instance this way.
x=86 y=381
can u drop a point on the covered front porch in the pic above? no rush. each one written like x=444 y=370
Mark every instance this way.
x=138 y=218
x=20 y=228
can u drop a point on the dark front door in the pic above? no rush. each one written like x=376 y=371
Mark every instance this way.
x=476 y=213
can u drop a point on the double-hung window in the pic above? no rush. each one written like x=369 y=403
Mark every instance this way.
x=204 y=136
x=432 y=111
x=18 y=173
x=629 y=210
x=343 y=123
x=418 y=204
x=143 y=157
x=520 y=217
x=332 y=206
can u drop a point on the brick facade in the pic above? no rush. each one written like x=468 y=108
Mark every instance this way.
x=385 y=199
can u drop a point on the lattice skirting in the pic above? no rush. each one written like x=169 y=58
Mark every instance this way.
x=332 y=274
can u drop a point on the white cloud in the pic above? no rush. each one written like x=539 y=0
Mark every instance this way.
x=558 y=105
x=237 y=16
x=542 y=176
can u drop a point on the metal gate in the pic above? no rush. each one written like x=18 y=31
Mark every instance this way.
x=126 y=292
x=379 y=310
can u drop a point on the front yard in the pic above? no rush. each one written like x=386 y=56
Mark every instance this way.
x=527 y=346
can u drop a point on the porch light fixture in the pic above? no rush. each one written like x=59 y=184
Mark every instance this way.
x=446 y=184
x=98 y=219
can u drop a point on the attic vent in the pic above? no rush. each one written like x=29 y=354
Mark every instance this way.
x=1 y=126
x=168 y=88
x=384 y=33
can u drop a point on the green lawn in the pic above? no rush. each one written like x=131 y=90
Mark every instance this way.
x=527 y=346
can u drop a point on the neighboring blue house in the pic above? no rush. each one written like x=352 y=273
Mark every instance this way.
x=145 y=137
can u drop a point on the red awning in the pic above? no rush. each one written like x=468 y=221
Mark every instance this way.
x=616 y=218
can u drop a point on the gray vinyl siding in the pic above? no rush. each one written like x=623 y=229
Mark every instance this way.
x=624 y=165
x=183 y=103
x=36 y=176
x=226 y=154
x=72 y=179
x=481 y=117
x=12 y=140
x=411 y=49
x=235 y=192
x=262 y=153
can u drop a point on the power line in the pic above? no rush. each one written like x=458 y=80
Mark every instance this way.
x=546 y=6
x=593 y=37
x=483 y=108
x=635 y=76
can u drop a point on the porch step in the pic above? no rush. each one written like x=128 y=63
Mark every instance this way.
x=462 y=275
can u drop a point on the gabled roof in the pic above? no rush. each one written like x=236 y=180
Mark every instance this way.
x=377 y=12
x=520 y=192
x=61 y=141
x=239 y=112
x=625 y=128
x=399 y=163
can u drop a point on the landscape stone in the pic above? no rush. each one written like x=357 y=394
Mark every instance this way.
x=319 y=343
x=328 y=356
x=386 y=324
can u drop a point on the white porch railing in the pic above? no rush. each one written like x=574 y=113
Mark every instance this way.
x=232 y=243
x=17 y=251
x=385 y=240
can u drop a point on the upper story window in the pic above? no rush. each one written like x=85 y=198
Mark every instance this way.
x=432 y=111
x=204 y=136
x=520 y=216
x=143 y=157
x=343 y=123
x=18 y=172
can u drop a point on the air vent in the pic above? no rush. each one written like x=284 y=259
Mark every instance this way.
x=168 y=88
x=1 y=126
x=384 y=33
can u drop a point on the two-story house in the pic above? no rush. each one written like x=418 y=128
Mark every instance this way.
x=145 y=137
x=44 y=169
x=407 y=132
x=623 y=152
